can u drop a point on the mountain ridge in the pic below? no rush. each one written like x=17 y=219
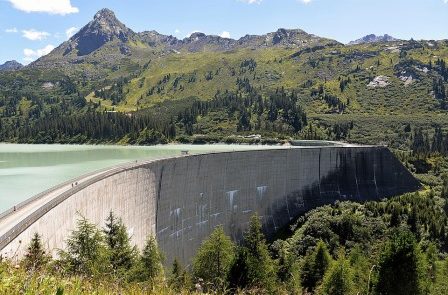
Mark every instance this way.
x=372 y=38
x=106 y=29
x=11 y=65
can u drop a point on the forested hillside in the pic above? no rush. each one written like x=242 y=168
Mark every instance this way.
x=145 y=88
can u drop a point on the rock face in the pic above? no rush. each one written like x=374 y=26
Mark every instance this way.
x=104 y=27
x=154 y=39
x=283 y=38
x=380 y=81
x=11 y=65
x=199 y=41
x=372 y=38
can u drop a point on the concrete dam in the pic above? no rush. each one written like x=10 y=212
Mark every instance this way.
x=181 y=200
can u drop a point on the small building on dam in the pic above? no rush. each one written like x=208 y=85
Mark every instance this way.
x=181 y=200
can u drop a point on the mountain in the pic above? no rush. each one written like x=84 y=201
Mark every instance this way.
x=372 y=38
x=206 y=84
x=102 y=43
x=104 y=28
x=105 y=42
x=11 y=65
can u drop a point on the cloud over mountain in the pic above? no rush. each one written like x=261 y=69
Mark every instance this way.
x=31 y=55
x=34 y=35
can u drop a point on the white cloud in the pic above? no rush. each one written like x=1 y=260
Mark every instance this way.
x=225 y=34
x=445 y=1
x=251 y=1
x=31 y=55
x=61 y=7
x=70 y=32
x=11 y=30
x=309 y=1
x=35 y=35
x=177 y=31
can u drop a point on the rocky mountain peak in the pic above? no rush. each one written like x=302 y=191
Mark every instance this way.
x=372 y=38
x=105 y=14
x=104 y=27
x=11 y=65
x=284 y=34
x=196 y=36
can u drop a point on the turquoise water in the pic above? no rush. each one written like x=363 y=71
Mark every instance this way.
x=26 y=170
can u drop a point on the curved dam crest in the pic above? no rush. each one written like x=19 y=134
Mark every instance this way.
x=181 y=200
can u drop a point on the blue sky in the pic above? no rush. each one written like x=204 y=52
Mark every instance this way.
x=30 y=28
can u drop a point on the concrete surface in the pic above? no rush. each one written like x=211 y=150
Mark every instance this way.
x=181 y=200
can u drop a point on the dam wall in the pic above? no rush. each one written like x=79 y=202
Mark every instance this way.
x=181 y=200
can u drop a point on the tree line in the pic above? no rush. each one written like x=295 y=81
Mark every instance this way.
x=424 y=144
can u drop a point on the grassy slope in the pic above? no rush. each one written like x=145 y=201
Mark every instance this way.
x=378 y=114
x=390 y=107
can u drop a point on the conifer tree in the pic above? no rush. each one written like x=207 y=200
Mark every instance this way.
x=315 y=265
x=401 y=267
x=254 y=267
x=35 y=256
x=150 y=265
x=122 y=255
x=214 y=259
x=86 y=251
x=179 y=277
x=338 y=279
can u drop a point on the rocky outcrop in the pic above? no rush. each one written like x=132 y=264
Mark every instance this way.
x=372 y=38
x=380 y=81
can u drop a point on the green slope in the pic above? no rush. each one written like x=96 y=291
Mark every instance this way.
x=330 y=82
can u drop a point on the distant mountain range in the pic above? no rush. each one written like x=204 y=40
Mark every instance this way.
x=105 y=40
x=11 y=65
x=105 y=32
x=372 y=38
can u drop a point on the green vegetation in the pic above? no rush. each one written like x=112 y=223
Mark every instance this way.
x=214 y=260
x=393 y=246
x=319 y=92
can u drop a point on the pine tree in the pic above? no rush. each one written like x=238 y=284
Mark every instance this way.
x=179 y=276
x=214 y=259
x=122 y=255
x=315 y=265
x=86 y=251
x=401 y=267
x=338 y=280
x=150 y=266
x=254 y=267
x=36 y=257
x=431 y=255
x=437 y=141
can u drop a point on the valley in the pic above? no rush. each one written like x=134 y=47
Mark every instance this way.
x=158 y=83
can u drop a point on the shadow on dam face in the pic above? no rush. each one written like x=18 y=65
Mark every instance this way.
x=181 y=200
